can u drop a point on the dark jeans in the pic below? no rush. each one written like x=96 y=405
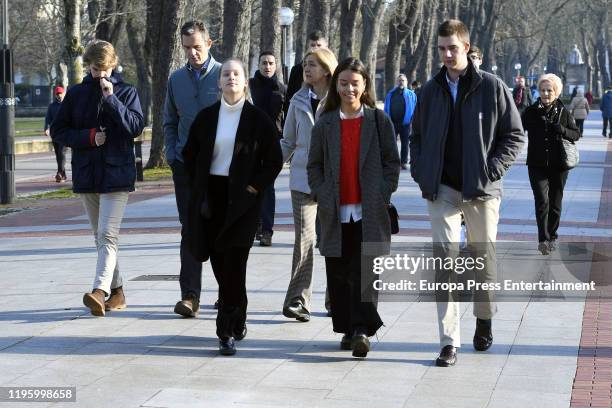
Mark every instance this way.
x=607 y=121
x=190 y=277
x=580 y=124
x=268 y=207
x=60 y=157
x=547 y=185
x=404 y=135
x=352 y=297
x=228 y=265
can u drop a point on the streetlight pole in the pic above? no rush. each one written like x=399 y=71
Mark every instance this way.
x=286 y=17
x=517 y=66
x=7 y=115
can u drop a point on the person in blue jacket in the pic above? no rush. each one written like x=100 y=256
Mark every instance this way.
x=606 y=111
x=99 y=120
x=60 y=151
x=399 y=105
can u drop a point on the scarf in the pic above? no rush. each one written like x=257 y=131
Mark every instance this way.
x=519 y=97
x=551 y=112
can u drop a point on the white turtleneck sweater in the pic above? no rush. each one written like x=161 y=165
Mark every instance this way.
x=229 y=117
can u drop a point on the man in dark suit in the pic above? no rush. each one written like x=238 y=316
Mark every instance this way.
x=269 y=95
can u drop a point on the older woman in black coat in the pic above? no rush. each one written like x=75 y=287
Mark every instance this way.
x=231 y=156
x=547 y=122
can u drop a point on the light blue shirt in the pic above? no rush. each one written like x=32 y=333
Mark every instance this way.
x=454 y=87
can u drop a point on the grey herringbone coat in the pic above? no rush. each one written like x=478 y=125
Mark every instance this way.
x=379 y=168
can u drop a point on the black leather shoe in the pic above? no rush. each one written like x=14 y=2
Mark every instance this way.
x=483 y=337
x=296 y=311
x=360 y=344
x=216 y=305
x=227 y=347
x=447 y=357
x=241 y=334
x=345 y=343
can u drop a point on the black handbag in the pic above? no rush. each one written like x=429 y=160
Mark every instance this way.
x=393 y=215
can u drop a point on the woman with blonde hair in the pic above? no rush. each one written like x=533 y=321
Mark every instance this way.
x=353 y=169
x=547 y=122
x=99 y=119
x=231 y=156
x=304 y=110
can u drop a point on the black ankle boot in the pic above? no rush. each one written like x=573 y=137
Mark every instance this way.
x=227 y=346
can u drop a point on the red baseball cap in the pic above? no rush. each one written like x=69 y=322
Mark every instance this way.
x=58 y=90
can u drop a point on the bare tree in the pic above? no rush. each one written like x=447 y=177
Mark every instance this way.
x=162 y=21
x=270 y=36
x=348 y=20
x=400 y=26
x=300 y=30
x=236 y=29
x=108 y=17
x=72 y=33
x=372 y=13
x=135 y=25
x=319 y=12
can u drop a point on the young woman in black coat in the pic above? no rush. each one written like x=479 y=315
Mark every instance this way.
x=231 y=156
x=547 y=122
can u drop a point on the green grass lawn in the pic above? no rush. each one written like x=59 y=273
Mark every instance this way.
x=157 y=173
x=65 y=192
x=29 y=127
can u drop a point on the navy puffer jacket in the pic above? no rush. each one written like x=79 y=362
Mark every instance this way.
x=110 y=167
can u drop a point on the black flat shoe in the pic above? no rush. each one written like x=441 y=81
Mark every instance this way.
x=242 y=334
x=216 y=305
x=296 y=311
x=483 y=336
x=227 y=347
x=345 y=343
x=360 y=344
x=447 y=357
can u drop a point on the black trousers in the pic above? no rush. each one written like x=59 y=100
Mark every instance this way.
x=580 y=124
x=228 y=265
x=547 y=185
x=351 y=294
x=404 y=134
x=268 y=208
x=190 y=277
x=60 y=157
x=607 y=121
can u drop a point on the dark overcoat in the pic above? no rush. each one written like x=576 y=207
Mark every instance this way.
x=256 y=161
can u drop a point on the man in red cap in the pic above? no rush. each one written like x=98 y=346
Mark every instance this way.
x=60 y=150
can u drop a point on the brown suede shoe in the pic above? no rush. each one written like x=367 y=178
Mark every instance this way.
x=116 y=301
x=188 y=307
x=95 y=302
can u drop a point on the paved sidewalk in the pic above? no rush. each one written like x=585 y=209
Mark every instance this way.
x=545 y=354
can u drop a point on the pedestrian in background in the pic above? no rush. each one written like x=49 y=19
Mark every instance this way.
x=547 y=121
x=98 y=120
x=268 y=94
x=579 y=108
x=232 y=155
x=353 y=168
x=522 y=95
x=606 y=111
x=58 y=148
x=191 y=88
x=304 y=110
x=399 y=105
x=475 y=54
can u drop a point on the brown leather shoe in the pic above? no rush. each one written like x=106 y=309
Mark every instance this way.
x=95 y=302
x=116 y=301
x=188 y=307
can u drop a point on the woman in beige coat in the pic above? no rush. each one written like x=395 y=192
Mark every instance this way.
x=579 y=108
x=304 y=109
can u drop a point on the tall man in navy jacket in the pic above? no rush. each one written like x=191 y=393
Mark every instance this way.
x=190 y=89
x=399 y=105
x=466 y=134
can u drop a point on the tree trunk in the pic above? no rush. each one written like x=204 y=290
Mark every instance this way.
x=348 y=12
x=74 y=49
x=320 y=10
x=413 y=50
x=136 y=42
x=270 y=38
x=236 y=29
x=216 y=28
x=300 y=32
x=425 y=69
x=372 y=12
x=400 y=27
x=162 y=22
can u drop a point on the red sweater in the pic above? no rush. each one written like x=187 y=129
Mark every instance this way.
x=350 y=134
